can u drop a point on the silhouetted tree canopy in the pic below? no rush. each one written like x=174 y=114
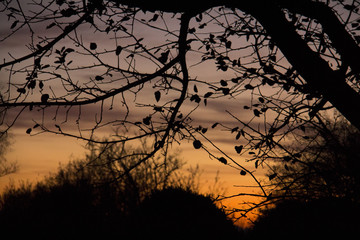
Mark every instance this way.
x=148 y=68
x=176 y=213
x=320 y=218
x=93 y=198
x=325 y=164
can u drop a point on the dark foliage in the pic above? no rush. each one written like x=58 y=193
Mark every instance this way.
x=318 y=218
x=180 y=214
x=74 y=211
x=59 y=212
x=94 y=198
x=324 y=165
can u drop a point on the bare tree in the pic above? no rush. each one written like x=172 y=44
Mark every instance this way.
x=322 y=165
x=292 y=59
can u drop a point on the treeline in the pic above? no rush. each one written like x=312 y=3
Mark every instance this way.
x=100 y=197
x=316 y=193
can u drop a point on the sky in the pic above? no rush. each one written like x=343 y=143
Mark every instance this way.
x=38 y=154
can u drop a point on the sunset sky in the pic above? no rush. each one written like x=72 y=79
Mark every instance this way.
x=38 y=154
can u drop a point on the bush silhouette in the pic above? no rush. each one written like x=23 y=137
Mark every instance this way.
x=85 y=199
x=178 y=213
x=73 y=211
x=317 y=218
x=59 y=212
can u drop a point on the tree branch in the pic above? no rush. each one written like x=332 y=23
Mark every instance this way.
x=48 y=46
x=308 y=64
x=99 y=98
x=340 y=38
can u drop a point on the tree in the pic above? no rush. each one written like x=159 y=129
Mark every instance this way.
x=323 y=218
x=325 y=165
x=293 y=59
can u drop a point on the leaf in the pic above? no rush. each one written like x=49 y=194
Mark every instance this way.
x=242 y=173
x=261 y=100
x=68 y=12
x=32 y=84
x=225 y=91
x=69 y=50
x=228 y=44
x=157 y=96
x=214 y=125
x=202 y=25
x=28 y=131
x=257 y=113
x=164 y=57
x=36 y=125
x=13 y=25
x=223 y=83
x=195 y=98
x=118 y=50
x=256 y=163
x=155 y=17
x=238 y=149
x=248 y=86
x=208 y=94
x=197 y=144
x=99 y=78
x=44 y=98
x=195 y=88
x=272 y=176
x=147 y=120
x=234 y=129
x=21 y=90
x=222 y=160
x=93 y=46
x=192 y=30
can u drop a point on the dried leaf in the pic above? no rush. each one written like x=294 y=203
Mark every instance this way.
x=44 y=98
x=157 y=96
x=222 y=160
x=93 y=46
x=197 y=144
x=239 y=148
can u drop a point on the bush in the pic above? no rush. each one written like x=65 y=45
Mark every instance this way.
x=316 y=218
x=178 y=213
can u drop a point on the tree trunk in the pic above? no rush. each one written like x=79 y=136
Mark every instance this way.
x=308 y=64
